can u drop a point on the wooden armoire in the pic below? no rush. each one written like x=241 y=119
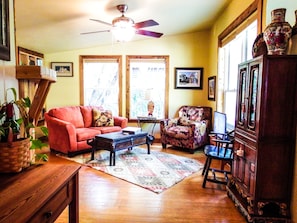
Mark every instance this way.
x=265 y=133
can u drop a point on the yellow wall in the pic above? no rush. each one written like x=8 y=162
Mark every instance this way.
x=188 y=50
x=234 y=9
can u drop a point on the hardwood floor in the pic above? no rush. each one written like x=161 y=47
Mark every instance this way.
x=103 y=198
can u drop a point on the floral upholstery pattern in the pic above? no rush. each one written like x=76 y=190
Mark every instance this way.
x=189 y=130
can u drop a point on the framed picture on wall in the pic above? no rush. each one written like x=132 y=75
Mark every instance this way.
x=212 y=88
x=188 y=78
x=63 y=69
x=4 y=33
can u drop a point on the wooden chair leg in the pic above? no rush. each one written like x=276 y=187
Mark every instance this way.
x=206 y=172
x=205 y=164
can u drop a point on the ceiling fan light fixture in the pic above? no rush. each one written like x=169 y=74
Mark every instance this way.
x=123 y=29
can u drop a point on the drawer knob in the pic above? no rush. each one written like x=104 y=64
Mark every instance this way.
x=240 y=152
x=48 y=214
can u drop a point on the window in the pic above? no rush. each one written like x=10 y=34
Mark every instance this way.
x=147 y=80
x=230 y=55
x=100 y=82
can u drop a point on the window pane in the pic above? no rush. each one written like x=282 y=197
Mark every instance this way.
x=147 y=83
x=233 y=53
x=101 y=84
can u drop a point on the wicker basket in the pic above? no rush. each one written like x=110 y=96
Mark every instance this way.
x=14 y=156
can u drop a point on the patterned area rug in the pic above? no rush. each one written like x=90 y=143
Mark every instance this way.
x=156 y=172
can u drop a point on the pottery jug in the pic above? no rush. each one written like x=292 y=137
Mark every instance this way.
x=292 y=49
x=277 y=33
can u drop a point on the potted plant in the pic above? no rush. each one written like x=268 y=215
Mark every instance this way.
x=18 y=132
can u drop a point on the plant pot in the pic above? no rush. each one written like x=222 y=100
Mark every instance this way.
x=14 y=156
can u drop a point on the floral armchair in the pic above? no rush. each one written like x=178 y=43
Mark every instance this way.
x=189 y=130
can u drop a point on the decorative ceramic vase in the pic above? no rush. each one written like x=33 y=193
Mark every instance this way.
x=259 y=46
x=292 y=49
x=277 y=33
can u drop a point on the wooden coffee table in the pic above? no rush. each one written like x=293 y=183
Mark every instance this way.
x=118 y=141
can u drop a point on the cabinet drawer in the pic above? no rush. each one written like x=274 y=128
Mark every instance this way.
x=140 y=141
x=244 y=169
x=54 y=207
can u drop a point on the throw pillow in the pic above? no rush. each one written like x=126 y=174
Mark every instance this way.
x=184 y=120
x=102 y=118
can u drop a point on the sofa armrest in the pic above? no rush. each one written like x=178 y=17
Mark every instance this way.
x=62 y=134
x=120 y=121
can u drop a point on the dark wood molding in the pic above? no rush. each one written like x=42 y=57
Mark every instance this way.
x=21 y=49
x=255 y=6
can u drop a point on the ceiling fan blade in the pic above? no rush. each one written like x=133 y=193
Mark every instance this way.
x=146 y=23
x=97 y=20
x=101 y=31
x=149 y=33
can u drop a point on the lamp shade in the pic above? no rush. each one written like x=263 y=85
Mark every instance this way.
x=123 y=29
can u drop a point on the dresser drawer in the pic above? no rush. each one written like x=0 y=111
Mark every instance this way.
x=53 y=208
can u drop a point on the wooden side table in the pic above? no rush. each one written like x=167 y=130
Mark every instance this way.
x=39 y=194
x=147 y=119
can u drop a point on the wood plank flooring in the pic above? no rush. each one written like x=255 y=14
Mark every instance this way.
x=106 y=199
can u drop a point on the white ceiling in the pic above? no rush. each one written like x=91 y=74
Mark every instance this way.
x=49 y=26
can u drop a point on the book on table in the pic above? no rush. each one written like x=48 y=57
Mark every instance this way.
x=131 y=130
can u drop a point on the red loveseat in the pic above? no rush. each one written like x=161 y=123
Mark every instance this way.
x=70 y=127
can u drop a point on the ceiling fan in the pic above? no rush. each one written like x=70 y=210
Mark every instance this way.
x=125 y=24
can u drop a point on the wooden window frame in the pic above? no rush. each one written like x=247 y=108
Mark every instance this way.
x=131 y=57
x=256 y=6
x=118 y=58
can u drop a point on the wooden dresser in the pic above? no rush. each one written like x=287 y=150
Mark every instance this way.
x=265 y=132
x=39 y=194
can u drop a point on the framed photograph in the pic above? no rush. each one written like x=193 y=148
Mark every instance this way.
x=212 y=88
x=63 y=69
x=188 y=78
x=4 y=33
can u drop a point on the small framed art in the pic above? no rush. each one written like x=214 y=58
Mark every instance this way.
x=4 y=32
x=212 y=88
x=63 y=69
x=188 y=78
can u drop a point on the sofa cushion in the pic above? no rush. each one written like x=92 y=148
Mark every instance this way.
x=102 y=118
x=108 y=129
x=83 y=134
x=70 y=114
x=87 y=113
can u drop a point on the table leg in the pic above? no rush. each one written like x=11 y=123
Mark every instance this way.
x=110 y=158
x=148 y=148
x=73 y=208
x=93 y=152
x=113 y=158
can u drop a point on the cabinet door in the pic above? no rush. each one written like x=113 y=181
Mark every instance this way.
x=252 y=96
x=244 y=167
x=242 y=97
